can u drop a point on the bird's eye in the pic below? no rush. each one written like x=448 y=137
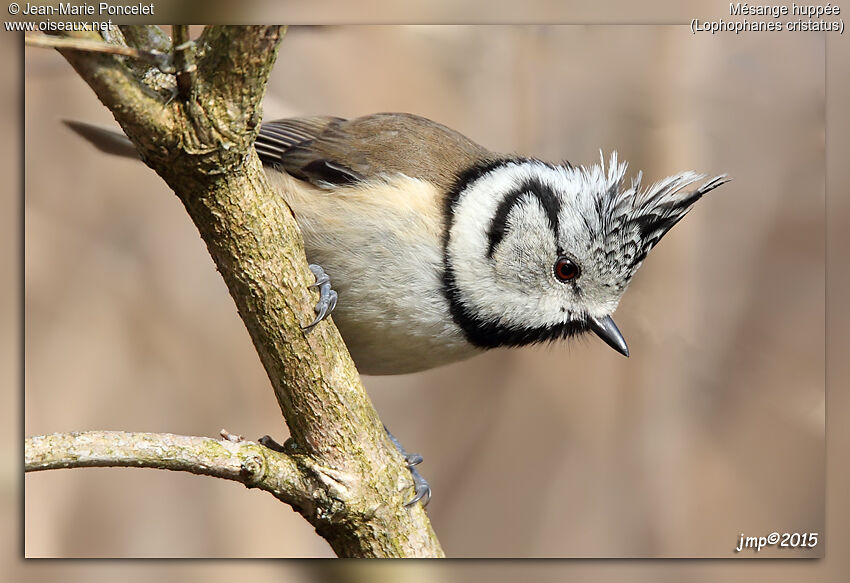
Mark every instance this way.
x=566 y=269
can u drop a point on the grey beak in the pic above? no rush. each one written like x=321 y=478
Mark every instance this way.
x=606 y=329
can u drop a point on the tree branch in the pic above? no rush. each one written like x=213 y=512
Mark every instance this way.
x=201 y=144
x=246 y=462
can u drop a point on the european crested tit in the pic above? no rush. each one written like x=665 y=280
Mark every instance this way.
x=440 y=249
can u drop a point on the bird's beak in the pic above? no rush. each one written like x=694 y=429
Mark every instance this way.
x=606 y=329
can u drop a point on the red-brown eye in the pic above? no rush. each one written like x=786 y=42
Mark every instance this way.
x=566 y=269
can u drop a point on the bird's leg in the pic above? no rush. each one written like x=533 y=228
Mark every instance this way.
x=327 y=296
x=421 y=488
x=422 y=491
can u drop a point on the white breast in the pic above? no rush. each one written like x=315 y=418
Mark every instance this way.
x=382 y=247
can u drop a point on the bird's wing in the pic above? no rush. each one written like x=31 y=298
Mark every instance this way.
x=330 y=151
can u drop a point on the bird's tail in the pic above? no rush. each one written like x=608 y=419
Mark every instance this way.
x=105 y=140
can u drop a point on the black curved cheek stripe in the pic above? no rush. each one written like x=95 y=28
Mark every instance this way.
x=533 y=188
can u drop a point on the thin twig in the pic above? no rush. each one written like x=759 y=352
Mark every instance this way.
x=79 y=44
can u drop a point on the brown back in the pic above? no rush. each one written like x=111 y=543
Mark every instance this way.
x=328 y=151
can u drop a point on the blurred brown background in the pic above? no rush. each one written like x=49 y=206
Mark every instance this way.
x=714 y=427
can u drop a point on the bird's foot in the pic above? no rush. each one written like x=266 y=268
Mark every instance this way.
x=421 y=488
x=327 y=296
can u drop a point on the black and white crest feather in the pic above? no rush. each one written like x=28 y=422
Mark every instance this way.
x=631 y=221
x=499 y=279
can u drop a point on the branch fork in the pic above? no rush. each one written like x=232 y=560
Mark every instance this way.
x=338 y=468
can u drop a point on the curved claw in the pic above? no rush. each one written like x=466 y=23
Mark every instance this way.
x=421 y=488
x=327 y=296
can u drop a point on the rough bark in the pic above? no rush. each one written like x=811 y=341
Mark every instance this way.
x=197 y=133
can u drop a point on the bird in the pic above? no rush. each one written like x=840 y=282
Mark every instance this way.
x=429 y=248
x=440 y=249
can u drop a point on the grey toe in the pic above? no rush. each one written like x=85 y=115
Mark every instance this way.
x=327 y=296
x=421 y=488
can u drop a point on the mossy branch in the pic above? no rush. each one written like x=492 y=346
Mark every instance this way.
x=243 y=461
x=350 y=482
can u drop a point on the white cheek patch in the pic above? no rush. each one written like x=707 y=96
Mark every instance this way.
x=523 y=259
x=513 y=287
